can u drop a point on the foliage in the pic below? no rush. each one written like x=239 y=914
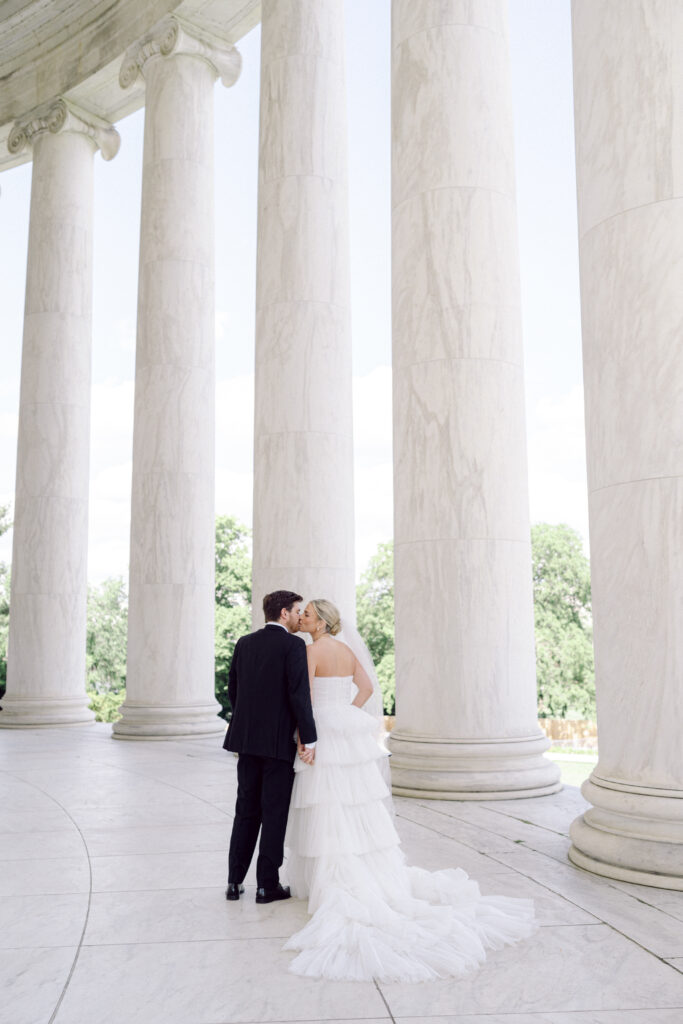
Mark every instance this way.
x=386 y=674
x=105 y=643
x=562 y=610
x=231 y=624
x=563 y=623
x=105 y=647
x=561 y=573
x=5 y=580
x=5 y=521
x=233 y=562
x=108 y=621
x=375 y=618
x=106 y=705
x=233 y=597
x=5 y=525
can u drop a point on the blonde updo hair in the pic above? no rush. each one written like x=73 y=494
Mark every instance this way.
x=329 y=613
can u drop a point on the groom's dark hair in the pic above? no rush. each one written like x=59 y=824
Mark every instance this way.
x=275 y=602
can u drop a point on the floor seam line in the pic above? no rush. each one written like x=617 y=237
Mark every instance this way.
x=567 y=899
x=87 y=909
x=601 y=920
x=178 y=789
x=383 y=998
x=175 y=942
x=490 y=831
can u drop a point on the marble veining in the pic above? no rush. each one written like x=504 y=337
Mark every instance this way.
x=632 y=306
x=170 y=676
x=609 y=969
x=467 y=141
x=465 y=693
x=627 y=106
x=46 y=664
x=456 y=287
x=162 y=945
x=629 y=144
x=408 y=18
x=303 y=444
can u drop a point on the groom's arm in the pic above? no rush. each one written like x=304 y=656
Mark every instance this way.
x=232 y=678
x=299 y=692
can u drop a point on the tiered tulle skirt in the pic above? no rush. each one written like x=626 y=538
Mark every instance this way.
x=372 y=915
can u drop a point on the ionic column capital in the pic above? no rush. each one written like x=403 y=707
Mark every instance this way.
x=62 y=115
x=174 y=36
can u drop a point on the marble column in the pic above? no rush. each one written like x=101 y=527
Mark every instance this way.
x=170 y=675
x=629 y=159
x=46 y=648
x=466 y=725
x=303 y=444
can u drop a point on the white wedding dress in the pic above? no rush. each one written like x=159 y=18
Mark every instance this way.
x=373 y=916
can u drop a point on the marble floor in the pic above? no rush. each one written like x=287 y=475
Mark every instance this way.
x=112 y=873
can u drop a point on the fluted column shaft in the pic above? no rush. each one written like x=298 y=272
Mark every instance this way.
x=46 y=668
x=466 y=698
x=303 y=445
x=170 y=674
x=629 y=143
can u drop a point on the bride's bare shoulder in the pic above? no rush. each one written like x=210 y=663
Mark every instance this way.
x=341 y=643
x=336 y=657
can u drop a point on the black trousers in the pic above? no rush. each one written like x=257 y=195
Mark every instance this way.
x=264 y=788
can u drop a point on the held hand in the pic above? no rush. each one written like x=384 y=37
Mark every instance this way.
x=307 y=755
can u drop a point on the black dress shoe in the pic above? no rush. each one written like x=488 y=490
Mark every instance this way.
x=270 y=895
x=233 y=891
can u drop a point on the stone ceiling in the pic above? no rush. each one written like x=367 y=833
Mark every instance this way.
x=73 y=48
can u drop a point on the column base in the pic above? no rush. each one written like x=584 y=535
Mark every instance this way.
x=151 y=722
x=632 y=833
x=489 y=769
x=44 y=713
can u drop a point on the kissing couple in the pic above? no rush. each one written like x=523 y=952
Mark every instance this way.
x=312 y=777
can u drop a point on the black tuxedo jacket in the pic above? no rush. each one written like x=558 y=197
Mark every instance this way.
x=270 y=695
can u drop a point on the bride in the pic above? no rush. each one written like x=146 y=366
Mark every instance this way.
x=373 y=917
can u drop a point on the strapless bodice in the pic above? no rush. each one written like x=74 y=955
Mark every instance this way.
x=330 y=690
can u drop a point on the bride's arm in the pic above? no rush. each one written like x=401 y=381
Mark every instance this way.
x=364 y=684
x=307 y=752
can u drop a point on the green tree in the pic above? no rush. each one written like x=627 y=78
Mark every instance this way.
x=563 y=623
x=386 y=675
x=5 y=525
x=105 y=648
x=375 y=618
x=105 y=642
x=562 y=611
x=233 y=597
x=106 y=705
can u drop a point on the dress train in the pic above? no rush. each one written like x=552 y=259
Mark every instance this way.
x=373 y=916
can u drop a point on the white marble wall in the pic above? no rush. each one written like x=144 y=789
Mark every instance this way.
x=170 y=682
x=46 y=651
x=629 y=146
x=303 y=446
x=466 y=696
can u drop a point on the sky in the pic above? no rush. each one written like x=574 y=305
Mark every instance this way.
x=540 y=43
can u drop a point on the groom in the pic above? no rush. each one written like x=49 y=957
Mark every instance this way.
x=270 y=696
